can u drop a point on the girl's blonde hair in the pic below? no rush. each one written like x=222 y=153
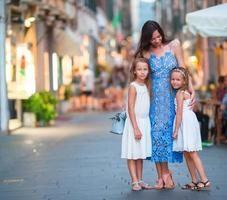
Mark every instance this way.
x=133 y=74
x=185 y=75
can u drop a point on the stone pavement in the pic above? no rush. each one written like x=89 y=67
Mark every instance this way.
x=77 y=159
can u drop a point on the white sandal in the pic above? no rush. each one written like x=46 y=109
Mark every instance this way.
x=144 y=185
x=136 y=186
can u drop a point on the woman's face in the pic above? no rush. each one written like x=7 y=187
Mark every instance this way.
x=156 y=39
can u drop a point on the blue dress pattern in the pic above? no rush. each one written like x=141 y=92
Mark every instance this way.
x=162 y=110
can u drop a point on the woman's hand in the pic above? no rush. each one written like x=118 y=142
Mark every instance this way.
x=138 y=134
x=192 y=103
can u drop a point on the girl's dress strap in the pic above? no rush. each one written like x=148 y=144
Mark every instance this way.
x=134 y=84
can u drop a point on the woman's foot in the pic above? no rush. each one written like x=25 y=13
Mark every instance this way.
x=159 y=184
x=145 y=186
x=136 y=186
x=168 y=181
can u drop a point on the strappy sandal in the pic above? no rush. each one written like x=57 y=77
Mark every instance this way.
x=145 y=186
x=159 y=184
x=136 y=186
x=171 y=186
x=203 y=185
x=189 y=186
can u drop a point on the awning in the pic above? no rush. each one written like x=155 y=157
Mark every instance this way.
x=211 y=21
x=65 y=43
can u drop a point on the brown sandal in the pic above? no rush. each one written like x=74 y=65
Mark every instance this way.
x=189 y=186
x=203 y=185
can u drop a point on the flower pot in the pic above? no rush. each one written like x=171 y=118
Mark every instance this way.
x=29 y=119
x=64 y=106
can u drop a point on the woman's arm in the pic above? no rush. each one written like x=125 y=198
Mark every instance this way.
x=131 y=112
x=179 y=112
x=178 y=52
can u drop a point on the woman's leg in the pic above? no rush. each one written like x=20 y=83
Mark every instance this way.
x=167 y=176
x=159 y=182
x=191 y=166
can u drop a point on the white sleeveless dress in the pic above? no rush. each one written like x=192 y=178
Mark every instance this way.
x=132 y=148
x=189 y=137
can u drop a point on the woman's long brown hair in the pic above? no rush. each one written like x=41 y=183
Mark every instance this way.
x=133 y=69
x=147 y=31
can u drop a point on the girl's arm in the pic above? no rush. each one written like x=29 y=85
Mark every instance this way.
x=179 y=112
x=180 y=60
x=131 y=112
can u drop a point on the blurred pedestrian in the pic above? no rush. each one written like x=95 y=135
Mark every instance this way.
x=163 y=56
x=76 y=82
x=186 y=134
x=118 y=79
x=136 y=141
x=220 y=90
x=224 y=109
x=87 y=88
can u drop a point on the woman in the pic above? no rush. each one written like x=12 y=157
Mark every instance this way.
x=163 y=56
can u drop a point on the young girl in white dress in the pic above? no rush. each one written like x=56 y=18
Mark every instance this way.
x=187 y=137
x=136 y=139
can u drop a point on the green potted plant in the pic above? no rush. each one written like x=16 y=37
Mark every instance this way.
x=43 y=105
x=67 y=94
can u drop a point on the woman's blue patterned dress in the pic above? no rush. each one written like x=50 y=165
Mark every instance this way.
x=162 y=110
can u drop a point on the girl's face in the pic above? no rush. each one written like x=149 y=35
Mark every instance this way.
x=141 y=71
x=156 y=39
x=177 y=81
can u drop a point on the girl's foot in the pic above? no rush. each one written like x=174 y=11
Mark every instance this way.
x=189 y=186
x=145 y=186
x=136 y=186
x=203 y=185
x=168 y=181
x=159 y=184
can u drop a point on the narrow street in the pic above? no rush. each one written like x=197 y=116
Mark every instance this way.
x=78 y=159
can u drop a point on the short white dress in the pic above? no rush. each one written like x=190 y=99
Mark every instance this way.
x=132 y=148
x=189 y=137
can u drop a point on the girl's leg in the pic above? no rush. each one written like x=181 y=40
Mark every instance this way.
x=133 y=174
x=132 y=170
x=139 y=169
x=191 y=166
x=199 y=166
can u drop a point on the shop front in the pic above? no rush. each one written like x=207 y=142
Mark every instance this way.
x=20 y=76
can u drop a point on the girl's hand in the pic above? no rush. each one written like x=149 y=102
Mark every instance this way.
x=174 y=135
x=138 y=134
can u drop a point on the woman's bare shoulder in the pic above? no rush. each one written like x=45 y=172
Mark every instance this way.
x=175 y=44
x=146 y=54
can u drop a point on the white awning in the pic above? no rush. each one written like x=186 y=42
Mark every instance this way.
x=65 y=43
x=211 y=21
